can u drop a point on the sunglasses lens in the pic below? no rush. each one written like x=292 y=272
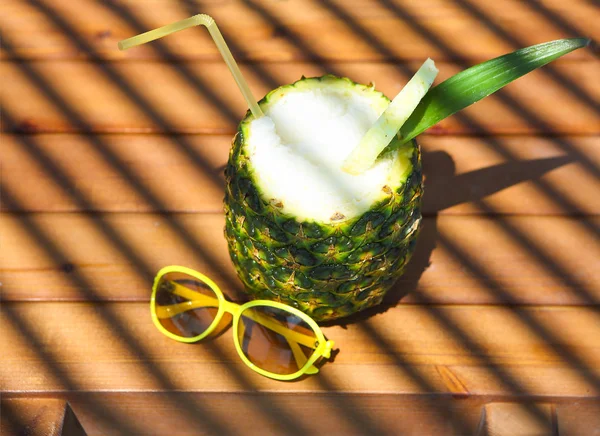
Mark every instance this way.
x=185 y=305
x=275 y=340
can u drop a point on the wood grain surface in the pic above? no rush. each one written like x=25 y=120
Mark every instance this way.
x=522 y=175
x=39 y=417
x=114 y=347
x=196 y=97
x=286 y=31
x=159 y=413
x=114 y=256
x=112 y=167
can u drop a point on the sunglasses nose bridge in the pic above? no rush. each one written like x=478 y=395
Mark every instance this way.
x=230 y=307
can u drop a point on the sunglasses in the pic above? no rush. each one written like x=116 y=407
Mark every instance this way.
x=273 y=339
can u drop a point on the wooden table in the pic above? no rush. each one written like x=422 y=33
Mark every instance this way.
x=112 y=167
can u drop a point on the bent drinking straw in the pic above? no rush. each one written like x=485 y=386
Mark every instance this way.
x=209 y=23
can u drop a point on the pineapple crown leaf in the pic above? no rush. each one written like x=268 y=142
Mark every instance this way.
x=473 y=84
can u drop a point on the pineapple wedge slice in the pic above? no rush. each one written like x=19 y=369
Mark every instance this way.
x=388 y=124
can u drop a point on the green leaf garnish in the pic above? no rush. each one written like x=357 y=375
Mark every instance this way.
x=473 y=84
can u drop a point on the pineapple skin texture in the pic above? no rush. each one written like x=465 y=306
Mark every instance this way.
x=327 y=270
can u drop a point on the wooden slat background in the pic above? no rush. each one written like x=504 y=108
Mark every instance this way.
x=554 y=271
x=525 y=175
x=272 y=31
x=157 y=97
x=112 y=167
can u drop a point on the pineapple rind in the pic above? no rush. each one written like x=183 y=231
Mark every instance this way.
x=327 y=270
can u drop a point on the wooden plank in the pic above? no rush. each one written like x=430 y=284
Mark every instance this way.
x=153 y=173
x=114 y=347
x=459 y=260
x=568 y=418
x=283 y=414
x=285 y=31
x=195 y=97
x=190 y=412
x=512 y=419
x=38 y=417
x=578 y=418
x=179 y=174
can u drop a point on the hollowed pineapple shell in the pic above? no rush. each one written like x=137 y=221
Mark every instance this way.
x=328 y=270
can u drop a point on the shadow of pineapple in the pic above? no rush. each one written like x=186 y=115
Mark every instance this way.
x=443 y=190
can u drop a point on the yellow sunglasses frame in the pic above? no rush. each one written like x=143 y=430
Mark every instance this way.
x=322 y=348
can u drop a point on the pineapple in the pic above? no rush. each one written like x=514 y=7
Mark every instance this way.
x=299 y=229
x=323 y=198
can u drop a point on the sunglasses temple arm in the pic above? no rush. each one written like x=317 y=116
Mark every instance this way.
x=294 y=339
x=200 y=300
x=299 y=356
x=185 y=292
x=196 y=300
x=163 y=312
x=289 y=334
